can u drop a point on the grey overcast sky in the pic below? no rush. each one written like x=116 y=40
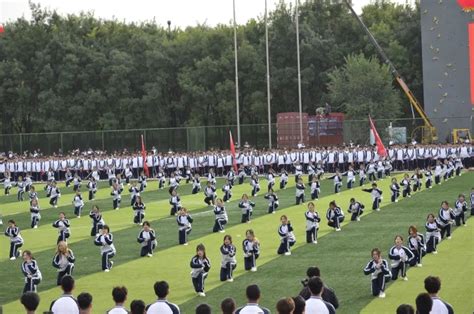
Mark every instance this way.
x=181 y=13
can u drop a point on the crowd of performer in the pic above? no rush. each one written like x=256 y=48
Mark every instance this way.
x=428 y=169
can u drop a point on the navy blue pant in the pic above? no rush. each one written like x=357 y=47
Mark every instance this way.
x=378 y=284
x=219 y=224
x=14 y=246
x=106 y=262
x=300 y=199
x=198 y=282
x=250 y=261
x=246 y=216
x=63 y=235
x=147 y=248
x=311 y=235
x=285 y=246
x=68 y=271
x=272 y=208
x=31 y=284
x=227 y=271
x=183 y=235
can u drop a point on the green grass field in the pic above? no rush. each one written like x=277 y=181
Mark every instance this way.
x=340 y=256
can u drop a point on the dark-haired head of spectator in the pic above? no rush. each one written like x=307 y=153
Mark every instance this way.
x=228 y=306
x=84 y=301
x=119 y=294
x=424 y=303
x=253 y=293
x=30 y=300
x=300 y=304
x=161 y=289
x=203 y=309
x=405 y=309
x=316 y=286
x=285 y=306
x=137 y=307
x=67 y=284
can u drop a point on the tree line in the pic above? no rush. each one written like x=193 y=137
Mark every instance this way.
x=79 y=72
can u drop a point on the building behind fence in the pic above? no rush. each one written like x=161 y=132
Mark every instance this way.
x=320 y=133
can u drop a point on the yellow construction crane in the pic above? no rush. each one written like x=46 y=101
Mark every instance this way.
x=428 y=130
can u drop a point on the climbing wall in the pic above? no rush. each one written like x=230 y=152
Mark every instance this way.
x=448 y=64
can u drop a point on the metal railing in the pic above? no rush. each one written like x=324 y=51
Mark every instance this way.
x=217 y=137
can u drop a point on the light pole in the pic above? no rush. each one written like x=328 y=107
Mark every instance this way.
x=236 y=80
x=268 y=80
x=299 y=71
x=169 y=29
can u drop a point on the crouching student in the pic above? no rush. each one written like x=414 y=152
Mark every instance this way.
x=251 y=249
x=335 y=216
x=287 y=237
x=312 y=224
x=229 y=262
x=200 y=266
x=147 y=239
x=416 y=244
x=379 y=272
x=401 y=257
x=356 y=209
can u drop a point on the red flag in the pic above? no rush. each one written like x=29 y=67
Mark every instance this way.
x=2 y=29
x=145 y=166
x=380 y=147
x=232 y=150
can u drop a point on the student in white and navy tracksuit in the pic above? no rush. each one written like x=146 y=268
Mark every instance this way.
x=458 y=166
x=175 y=202
x=350 y=174
x=229 y=263
x=376 y=196
x=210 y=194
x=247 y=207
x=416 y=244
x=400 y=257
x=7 y=183
x=271 y=180
x=433 y=234
x=394 y=190
x=76 y=183
x=68 y=177
x=283 y=179
x=196 y=184
x=107 y=249
x=55 y=194
x=428 y=178
x=184 y=221
x=200 y=266
x=387 y=167
x=298 y=171
x=21 y=189
x=335 y=216
x=315 y=188
x=32 y=194
x=227 y=189
x=16 y=241
x=97 y=220
x=116 y=196
x=251 y=249
x=380 y=169
x=111 y=175
x=142 y=181
x=78 y=204
x=173 y=183
x=221 y=218
x=416 y=178
x=406 y=186
x=379 y=272
x=460 y=207
x=92 y=187
x=472 y=201
x=231 y=177
x=147 y=239
x=63 y=260
x=337 y=179
x=160 y=177
x=300 y=187
x=445 y=220
x=255 y=185
x=370 y=170
x=134 y=192
x=272 y=201
x=362 y=176
x=312 y=224
x=241 y=175
x=128 y=174
x=31 y=271
x=63 y=225
x=438 y=172
x=287 y=237
x=138 y=211
x=35 y=213
x=356 y=209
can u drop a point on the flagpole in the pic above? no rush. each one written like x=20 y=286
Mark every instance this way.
x=236 y=79
x=299 y=70
x=268 y=80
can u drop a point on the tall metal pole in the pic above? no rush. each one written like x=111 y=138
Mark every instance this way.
x=299 y=72
x=236 y=80
x=268 y=81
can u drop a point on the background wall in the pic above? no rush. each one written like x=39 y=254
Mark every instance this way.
x=447 y=95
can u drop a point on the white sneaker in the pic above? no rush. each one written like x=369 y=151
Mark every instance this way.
x=315 y=241
x=378 y=209
x=186 y=243
x=405 y=278
x=288 y=253
x=449 y=238
x=253 y=269
x=465 y=225
x=382 y=294
x=79 y=216
x=273 y=212
x=396 y=201
x=431 y=187
x=35 y=227
x=149 y=255
x=201 y=294
x=358 y=218
x=55 y=206
x=12 y=258
x=221 y=231
x=419 y=265
x=106 y=270
x=338 y=229
x=230 y=280
x=409 y=195
x=435 y=252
